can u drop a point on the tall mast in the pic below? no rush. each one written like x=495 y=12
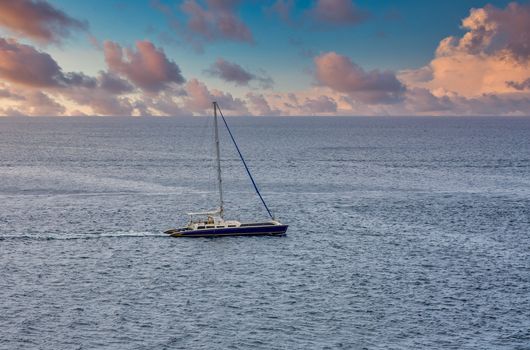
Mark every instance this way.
x=218 y=158
x=242 y=159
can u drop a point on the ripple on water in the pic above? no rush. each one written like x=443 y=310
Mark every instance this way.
x=398 y=238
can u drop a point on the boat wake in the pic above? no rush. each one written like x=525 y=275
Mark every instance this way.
x=40 y=237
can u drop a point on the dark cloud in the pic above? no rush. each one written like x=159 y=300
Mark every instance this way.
x=234 y=73
x=114 y=84
x=524 y=85
x=24 y=65
x=38 y=20
x=231 y=72
x=78 y=79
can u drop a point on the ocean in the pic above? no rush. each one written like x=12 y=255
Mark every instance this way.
x=405 y=233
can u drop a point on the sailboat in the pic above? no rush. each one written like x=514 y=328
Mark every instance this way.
x=213 y=223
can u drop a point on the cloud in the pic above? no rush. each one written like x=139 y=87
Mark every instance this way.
x=114 y=84
x=234 y=73
x=495 y=31
x=4 y=93
x=338 y=12
x=40 y=104
x=317 y=100
x=102 y=103
x=484 y=71
x=199 y=99
x=260 y=106
x=24 y=65
x=168 y=103
x=491 y=58
x=9 y=95
x=416 y=76
x=523 y=85
x=147 y=67
x=422 y=101
x=341 y=74
x=34 y=103
x=11 y=112
x=34 y=84
x=231 y=72
x=39 y=81
x=320 y=105
x=213 y=21
x=38 y=20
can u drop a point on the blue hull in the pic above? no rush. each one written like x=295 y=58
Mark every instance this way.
x=272 y=230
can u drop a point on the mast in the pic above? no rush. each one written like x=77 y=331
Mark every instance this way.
x=242 y=159
x=218 y=158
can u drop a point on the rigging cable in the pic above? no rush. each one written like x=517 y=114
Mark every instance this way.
x=245 y=164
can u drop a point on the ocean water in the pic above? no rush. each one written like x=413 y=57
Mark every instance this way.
x=405 y=233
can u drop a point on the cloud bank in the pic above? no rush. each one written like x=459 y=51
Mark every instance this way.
x=484 y=71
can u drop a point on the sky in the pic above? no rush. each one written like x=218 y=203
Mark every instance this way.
x=269 y=57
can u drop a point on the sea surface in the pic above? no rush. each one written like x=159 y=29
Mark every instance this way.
x=405 y=233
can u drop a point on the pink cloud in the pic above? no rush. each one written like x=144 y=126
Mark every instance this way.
x=338 y=12
x=491 y=58
x=494 y=30
x=37 y=20
x=216 y=20
x=29 y=69
x=199 y=99
x=341 y=74
x=24 y=65
x=147 y=67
